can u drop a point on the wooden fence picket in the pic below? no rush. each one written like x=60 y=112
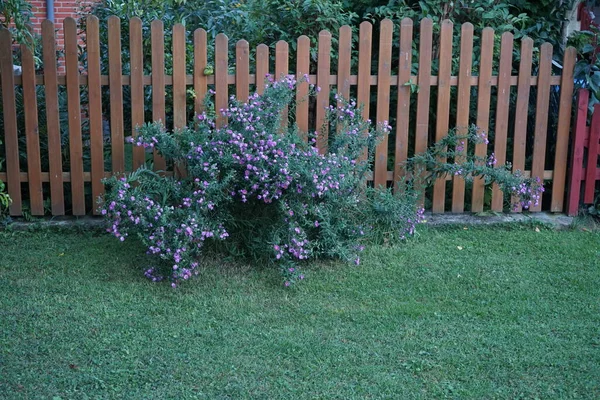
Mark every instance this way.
x=95 y=110
x=302 y=69
x=57 y=197
x=242 y=70
x=562 y=133
x=424 y=82
x=282 y=59
x=221 y=77
x=74 y=109
x=580 y=134
x=136 y=61
x=482 y=121
x=344 y=62
x=179 y=74
x=10 y=121
x=363 y=83
x=157 y=39
x=541 y=116
x=115 y=70
x=502 y=112
x=592 y=157
x=179 y=87
x=443 y=107
x=262 y=67
x=462 y=111
x=32 y=133
x=521 y=110
x=200 y=64
x=383 y=99
x=344 y=65
x=403 y=107
x=323 y=72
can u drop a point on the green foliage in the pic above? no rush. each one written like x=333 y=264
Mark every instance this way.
x=5 y=199
x=15 y=15
x=255 y=21
x=587 y=68
x=540 y=20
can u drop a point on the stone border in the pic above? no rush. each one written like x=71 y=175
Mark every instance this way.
x=557 y=221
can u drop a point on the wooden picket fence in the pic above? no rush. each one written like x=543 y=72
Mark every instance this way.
x=342 y=81
x=584 y=171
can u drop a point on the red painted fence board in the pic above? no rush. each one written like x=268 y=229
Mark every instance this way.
x=584 y=152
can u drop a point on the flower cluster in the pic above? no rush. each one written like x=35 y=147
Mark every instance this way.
x=257 y=185
x=529 y=192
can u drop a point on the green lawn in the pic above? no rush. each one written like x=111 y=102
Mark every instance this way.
x=514 y=314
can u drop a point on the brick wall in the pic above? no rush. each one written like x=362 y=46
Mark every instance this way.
x=62 y=10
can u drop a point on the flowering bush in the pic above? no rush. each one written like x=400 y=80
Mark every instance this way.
x=255 y=188
x=450 y=157
x=263 y=194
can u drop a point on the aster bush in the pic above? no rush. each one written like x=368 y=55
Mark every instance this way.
x=256 y=189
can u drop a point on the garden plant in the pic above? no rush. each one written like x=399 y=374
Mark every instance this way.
x=255 y=188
